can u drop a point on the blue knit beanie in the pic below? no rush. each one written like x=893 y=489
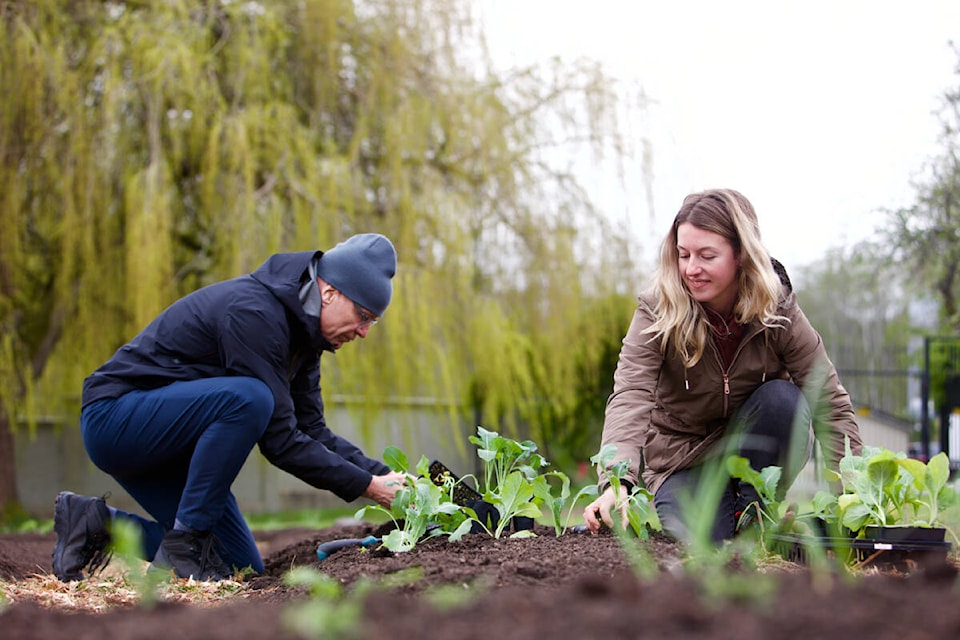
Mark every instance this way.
x=361 y=267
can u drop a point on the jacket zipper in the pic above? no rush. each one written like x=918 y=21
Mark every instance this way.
x=726 y=393
x=726 y=371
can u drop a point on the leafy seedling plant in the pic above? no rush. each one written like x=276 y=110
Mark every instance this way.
x=555 y=503
x=641 y=516
x=515 y=483
x=886 y=489
x=726 y=571
x=420 y=508
x=775 y=515
x=510 y=469
x=777 y=518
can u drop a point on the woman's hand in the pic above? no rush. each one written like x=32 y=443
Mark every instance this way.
x=383 y=489
x=597 y=513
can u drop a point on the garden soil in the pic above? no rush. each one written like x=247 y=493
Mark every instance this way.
x=573 y=586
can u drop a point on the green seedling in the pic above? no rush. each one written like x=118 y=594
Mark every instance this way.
x=770 y=508
x=515 y=499
x=641 y=515
x=514 y=482
x=883 y=488
x=418 y=507
x=777 y=518
x=502 y=456
x=510 y=469
x=588 y=491
x=556 y=502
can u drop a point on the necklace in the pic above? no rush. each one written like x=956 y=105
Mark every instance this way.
x=724 y=331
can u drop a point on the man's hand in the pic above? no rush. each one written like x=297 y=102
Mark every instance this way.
x=597 y=513
x=382 y=489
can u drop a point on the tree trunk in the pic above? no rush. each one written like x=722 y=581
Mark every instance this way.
x=9 y=495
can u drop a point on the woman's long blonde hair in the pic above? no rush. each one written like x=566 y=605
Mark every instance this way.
x=680 y=320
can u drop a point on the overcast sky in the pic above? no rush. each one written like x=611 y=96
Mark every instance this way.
x=820 y=112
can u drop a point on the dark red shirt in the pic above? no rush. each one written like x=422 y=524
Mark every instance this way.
x=727 y=335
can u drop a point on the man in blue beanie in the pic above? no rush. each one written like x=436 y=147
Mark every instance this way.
x=173 y=415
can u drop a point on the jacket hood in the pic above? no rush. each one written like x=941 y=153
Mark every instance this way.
x=781 y=272
x=283 y=274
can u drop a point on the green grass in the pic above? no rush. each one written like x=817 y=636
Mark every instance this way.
x=313 y=518
x=26 y=525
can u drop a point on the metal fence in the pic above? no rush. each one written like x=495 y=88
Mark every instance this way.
x=894 y=394
x=922 y=393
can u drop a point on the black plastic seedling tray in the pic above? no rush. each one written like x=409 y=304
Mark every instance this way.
x=462 y=492
x=890 y=546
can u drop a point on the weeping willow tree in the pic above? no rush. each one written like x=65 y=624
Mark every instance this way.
x=150 y=148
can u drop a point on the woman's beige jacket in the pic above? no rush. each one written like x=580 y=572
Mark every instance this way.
x=671 y=417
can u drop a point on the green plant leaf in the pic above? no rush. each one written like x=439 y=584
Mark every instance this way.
x=396 y=459
x=825 y=505
x=764 y=481
x=939 y=468
x=916 y=470
x=484 y=439
x=770 y=477
x=399 y=541
x=423 y=467
x=882 y=469
x=856 y=516
x=605 y=456
x=869 y=492
x=516 y=492
x=461 y=530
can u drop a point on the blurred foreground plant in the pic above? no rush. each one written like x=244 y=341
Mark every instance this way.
x=331 y=610
x=127 y=544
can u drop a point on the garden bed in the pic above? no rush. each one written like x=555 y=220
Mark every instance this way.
x=575 y=586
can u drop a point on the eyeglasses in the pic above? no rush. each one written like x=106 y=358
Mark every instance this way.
x=366 y=320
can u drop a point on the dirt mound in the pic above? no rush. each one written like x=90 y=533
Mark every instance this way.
x=25 y=554
x=574 y=586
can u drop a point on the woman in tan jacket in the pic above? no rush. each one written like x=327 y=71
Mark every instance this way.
x=719 y=359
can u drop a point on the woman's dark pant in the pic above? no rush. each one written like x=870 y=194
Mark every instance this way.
x=177 y=450
x=772 y=429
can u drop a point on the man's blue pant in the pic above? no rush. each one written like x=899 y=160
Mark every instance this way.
x=177 y=450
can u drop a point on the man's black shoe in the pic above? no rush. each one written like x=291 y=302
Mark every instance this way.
x=81 y=524
x=191 y=554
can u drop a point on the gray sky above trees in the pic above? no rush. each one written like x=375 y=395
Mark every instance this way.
x=820 y=112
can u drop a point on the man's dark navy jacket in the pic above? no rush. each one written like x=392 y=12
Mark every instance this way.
x=251 y=326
